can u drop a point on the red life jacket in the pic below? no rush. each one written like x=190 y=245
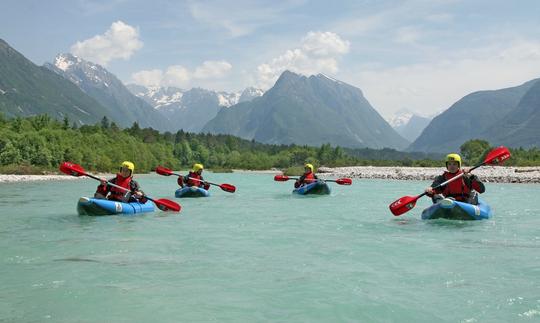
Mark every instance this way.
x=457 y=189
x=116 y=193
x=305 y=179
x=309 y=177
x=192 y=181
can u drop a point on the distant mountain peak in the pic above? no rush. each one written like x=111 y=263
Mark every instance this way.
x=333 y=111
x=65 y=61
x=321 y=75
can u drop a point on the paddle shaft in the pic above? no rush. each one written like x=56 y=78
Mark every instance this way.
x=195 y=179
x=117 y=186
x=453 y=179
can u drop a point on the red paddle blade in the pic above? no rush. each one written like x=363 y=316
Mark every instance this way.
x=72 y=169
x=497 y=155
x=404 y=204
x=167 y=205
x=228 y=188
x=344 y=181
x=163 y=171
x=281 y=178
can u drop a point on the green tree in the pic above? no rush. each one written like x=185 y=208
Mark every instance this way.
x=10 y=154
x=65 y=123
x=473 y=150
x=105 y=124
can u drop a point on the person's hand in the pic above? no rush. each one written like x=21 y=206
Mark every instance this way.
x=138 y=194
x=429 y=190
x=103 y=181
x=466 y=171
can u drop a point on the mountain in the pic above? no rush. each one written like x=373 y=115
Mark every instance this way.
x=190 y=109
x=249 y=94
x=27 y=89
x=408 y=124
x=94 y=80
x=521 y=126
x=308 y=110
x=472 y=117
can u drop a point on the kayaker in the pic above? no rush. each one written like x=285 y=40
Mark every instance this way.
x=307 y=177
x=465 y=189
x=124 y=178
x=194 y=178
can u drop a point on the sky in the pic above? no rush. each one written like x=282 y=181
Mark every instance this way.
x=419 y=55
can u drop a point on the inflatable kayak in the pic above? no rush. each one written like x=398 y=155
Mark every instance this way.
x=319 y=187
x=454 y=210
x=92 y=206
x=191 y=191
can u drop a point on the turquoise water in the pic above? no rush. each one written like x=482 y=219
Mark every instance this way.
x=262 y=254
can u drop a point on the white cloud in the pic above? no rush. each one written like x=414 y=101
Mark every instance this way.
x=120 y=41
x=318 y=53
x=180 y=76
x=176 y=75
x=431 y=87
x=324 y=44
x=148 y=78
x=212 y=69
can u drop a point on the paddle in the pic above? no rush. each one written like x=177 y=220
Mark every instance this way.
x=167 y=172
x=340 y=181
x=77 y=170
x=496 y=156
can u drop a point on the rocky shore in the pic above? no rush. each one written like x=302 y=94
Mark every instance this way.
x=489 y=174
x=29 y=178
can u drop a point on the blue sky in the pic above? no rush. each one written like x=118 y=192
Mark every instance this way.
x=419 y=55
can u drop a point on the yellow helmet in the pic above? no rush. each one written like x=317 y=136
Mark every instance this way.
x=129 y=165
x=197 y=167
x=309 y=166
x=454 y=157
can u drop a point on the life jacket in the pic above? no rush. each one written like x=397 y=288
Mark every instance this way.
x=307 y=178
x=116 y=193
x=458 y=189
x=192 y=180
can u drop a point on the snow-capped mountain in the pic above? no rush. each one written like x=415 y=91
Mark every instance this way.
x=190 y=109
x=310 y=110
x=408 y=124
x=124 y=107
x=400 y=118
x=249 y=94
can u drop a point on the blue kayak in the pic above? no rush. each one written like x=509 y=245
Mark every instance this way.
x=319 y=187
x=454 y=210
x=191 y=191
x=92 y=206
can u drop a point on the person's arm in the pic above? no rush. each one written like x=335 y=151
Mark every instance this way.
x=476 y=184
x=104 y=188
x=299 y=181
x=180 y=181
x=438 y=180
x=136 y=192
x=204 y=184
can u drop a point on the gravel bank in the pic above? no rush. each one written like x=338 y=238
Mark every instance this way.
x=489 y=174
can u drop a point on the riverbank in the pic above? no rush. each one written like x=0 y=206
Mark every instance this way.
x=488 y=174
x=31 y=178
x=10 y=178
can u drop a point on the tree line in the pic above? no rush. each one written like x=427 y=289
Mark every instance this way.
x=40 y=143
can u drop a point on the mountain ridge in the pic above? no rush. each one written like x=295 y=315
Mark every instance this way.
x=295 y=104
